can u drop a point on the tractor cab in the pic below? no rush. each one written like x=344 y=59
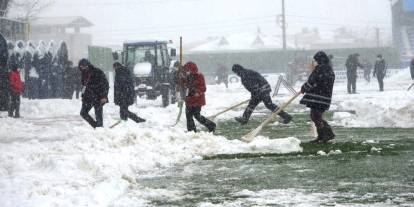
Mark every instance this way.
x=149 y=62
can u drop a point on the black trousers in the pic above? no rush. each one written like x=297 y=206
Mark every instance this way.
x=194 y=111
x=124 y=113
x=316 y=117
x=351 y=84
x=380 y=83
x=32 y=88
x=412 y=72
x=255 y=100
x=77 y=91
x=14 y=106
x=86 y=107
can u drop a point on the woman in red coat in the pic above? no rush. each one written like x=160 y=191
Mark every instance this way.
x=16 y=88
x=195 y=99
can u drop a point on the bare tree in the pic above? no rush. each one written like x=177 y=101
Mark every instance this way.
x=4 y=5
x=30 y=9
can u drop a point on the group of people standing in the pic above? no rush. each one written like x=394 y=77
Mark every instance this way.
x=48 y=73
x=352 y=64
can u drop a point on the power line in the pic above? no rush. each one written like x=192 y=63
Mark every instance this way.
x=230 y=25
x=125 y=3
x=331 y=19
x=203 y=24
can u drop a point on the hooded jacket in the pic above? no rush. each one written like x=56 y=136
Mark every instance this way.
x=255 y=83
x=95 y=83
x=196 y=86
x=15 y=81
x=318 y=88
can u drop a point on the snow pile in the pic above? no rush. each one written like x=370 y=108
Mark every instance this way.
x=392 y=108
x=52 y=158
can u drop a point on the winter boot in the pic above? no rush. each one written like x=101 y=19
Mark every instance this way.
x=286 y=117
x=17 y=112
x=212 y=127
x=241 y=120
x=246 y=115
x=327 y=134
x=319 y=137
x=137 y=119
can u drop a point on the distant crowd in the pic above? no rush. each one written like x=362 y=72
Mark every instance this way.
x=46 y=69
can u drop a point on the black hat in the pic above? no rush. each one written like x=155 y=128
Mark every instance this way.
x=14 y=66
x=236 y=68
x=321 y=58
x=84 y=62
x=379 y=56
x=117 y=65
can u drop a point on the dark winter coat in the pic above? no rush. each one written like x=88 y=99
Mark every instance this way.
x=412 y=69
x=27 y=65
x=380 y=69
x=13 y=59
x=95 y=85
x=196 y=86
x=255 y=83
x=124 y=94
x=318 y=88
x=352 y=64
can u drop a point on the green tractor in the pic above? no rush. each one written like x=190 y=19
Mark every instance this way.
x=149 y=61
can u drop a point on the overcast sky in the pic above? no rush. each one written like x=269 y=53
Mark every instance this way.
x=119 y=20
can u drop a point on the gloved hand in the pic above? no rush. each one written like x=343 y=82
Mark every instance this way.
x=302 y=90
x=191 y=77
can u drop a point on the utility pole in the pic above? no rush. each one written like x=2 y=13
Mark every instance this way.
x=284 y=24
x=377 y=36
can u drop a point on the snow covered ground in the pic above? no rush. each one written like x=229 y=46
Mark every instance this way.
x=53 y=158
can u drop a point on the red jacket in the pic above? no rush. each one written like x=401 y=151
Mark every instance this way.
x=196 y=86
x=16 y=84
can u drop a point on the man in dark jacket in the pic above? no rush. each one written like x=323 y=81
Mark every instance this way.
x=124 y=93
x=380 y=71
x=195 y=99
x=318 y=94
x=352 y=64
x=260 y=90
x=94 y=92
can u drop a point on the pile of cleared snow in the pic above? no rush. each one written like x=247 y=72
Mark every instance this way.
x=392 y=108
x=51 y=157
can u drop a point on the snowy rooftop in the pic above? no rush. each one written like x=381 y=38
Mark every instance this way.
x=62 y=21
x=243 y=41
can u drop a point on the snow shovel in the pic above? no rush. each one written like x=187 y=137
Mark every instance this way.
x=252 y=134
x=409 y=88
x=180 y=103
x=228 y=109
x=115 y=124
